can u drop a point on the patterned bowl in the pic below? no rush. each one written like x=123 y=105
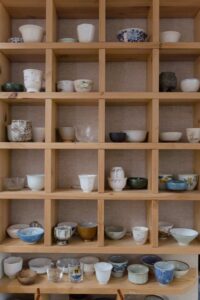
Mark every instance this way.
x=132 y=35
x=31 y=235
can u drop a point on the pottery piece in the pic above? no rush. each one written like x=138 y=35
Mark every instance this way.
x=180 y=268
x=138 y=274
x=164 y=272
x=103 y=272
x=65 y=86
x=33 y=80
x=36 y=182
x=54 y=274
x=26 y=277
x=63 y=263
x=39 y=265
x=85 y=33
x=140 y=234
x=86 y=134
x=19 y=131
x=137 y=183
x=12 y=265
x=62 y=234
x=164 y=230
x=87 y=182
x=118 y=184
x=150 y=260
x=67 y=40
x=67 y=134
x=38 y=134
x=87 y=231
x=117 y=173
x=75 y=270
x=117 y=137
x=176 y=185
x=83 y=85
x=31 y=235
x=190 y=85
x=14 y=183
x=193 y=135
x=12 y=230
x=184 y=236
x=119 y=264
x=35 y=224
x=15 y=40
x=31 y=33
x=12 y=87
x=88 y=263
x=190 y=179
x=115 y=232
x=135 y=136
x=154 y=297
x=170 y=136
x=170 y=36
x=163 y=178
x=132 y=35
x=167 y=82
x=73 y=225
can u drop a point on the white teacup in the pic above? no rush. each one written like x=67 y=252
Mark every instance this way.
x=33 y=80
x=38 y=134
x=65 y=86
x=87 y=182
x=117 y=173
x=140 y=234
x=36 y=182
x=103 y=272
x=85 y=33
x=193 y=135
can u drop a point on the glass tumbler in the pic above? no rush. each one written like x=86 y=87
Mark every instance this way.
x=75 y=270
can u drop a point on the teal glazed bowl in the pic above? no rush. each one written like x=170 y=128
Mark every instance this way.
x=137 y=183
x=12 y=87
x=176 y=185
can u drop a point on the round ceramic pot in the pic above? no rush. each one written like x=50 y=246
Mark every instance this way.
x=33 y=80
x=193 y=135
x=164 y=272
x=31 y=33
x=140 y=234
x=118 y=184
x=19 y=131
x=85 y=33
x=190 y=85
x=138 y=274
x=119 y=264
x=167 y=82
x=103 y=272
x=65 y=86
x=137 y=183
x=67 y=134
x=117 y=173
x=62 y=234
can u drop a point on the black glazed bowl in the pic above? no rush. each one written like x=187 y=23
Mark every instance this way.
x=137 y=183
x=117 y=137
x=12 y=87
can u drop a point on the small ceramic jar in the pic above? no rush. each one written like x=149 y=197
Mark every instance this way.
x=140 y=234
x=85 y=33
x=12 y=265
x=33 y=80
x=87 y=182
x=19 y=131
x=167 y=82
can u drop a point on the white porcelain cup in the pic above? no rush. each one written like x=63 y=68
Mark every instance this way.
x=36 y=182
x=190 y=85
x=170 y=36
x=38 y=134
x=103 y=272
x=31 y=33
x=87 y=182
x=12 y=265
x=67 y=134
x=140 y=234
x=85 y=33
x=193 y=135
x=117 y=173
x=65 y=86
x=32 y=80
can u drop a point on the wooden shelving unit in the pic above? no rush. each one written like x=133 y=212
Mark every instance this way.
x=102 y=52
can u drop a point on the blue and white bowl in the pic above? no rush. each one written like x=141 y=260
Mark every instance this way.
x=150 y=260
x=176 y=185
x=164 y=272
x=31 y=235
x=119 y=264
x=132 y=35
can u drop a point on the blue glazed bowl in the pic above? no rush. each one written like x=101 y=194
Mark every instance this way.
x=132 y=35
x=164 y=272
x=176 y=185
x=150 y=260
x=31 y=235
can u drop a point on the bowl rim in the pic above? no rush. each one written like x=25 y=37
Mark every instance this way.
x=38 y=229
x=179 y=261
x=174 y=231
x=145 y=269
x=131 y=28
x=123 y=229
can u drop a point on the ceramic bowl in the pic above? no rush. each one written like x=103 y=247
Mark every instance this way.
x=163 y=179
x=12 y=230
x=180 y=268
x=184 y=236
x=36 y=182
x=87 y=231
x=117 y=184
x=193 y=135
x=135 y=136
x=38 y=134
x=19 y=131
x=190 y=85
x=132 y=35
x=88 y=263
x=31 y=235
x=63 y=263
x=87 y=182
x=39 y=265
x=103 y=272
x=164 y=230
x=31 y=33
x=170 y=136
x=26 y=277
x=12 y=265
x=67 y=134
x=170 y=36
x=15 y=39
x=138 y=274
x=119 y=264
x=73 y=225
x=150 y=260
x=14 y=183
x=164 y=272
x=190 y=179
x=86 y=134
x=62 y=234
x=83 y=85
x=67 y=40
x=176 y=185
x=65 y=86
x=137 y=183
x=115 y=232
x=117 y=137
x=12 y=87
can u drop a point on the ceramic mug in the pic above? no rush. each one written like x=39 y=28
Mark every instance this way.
x=65 y=86
x=62 y=234
x=140 y=234
x=87 y=182
x=117 y=173
x=32 y=80
x=193 y=135
x=85 y=33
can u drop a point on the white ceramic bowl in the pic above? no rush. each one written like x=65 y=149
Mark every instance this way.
x=88 y=263
x=117 y=184
x=170 y=136
x=170 y=36
x=87 y=182
x=191 y=179
x=83 y=85
x=180 y=268
x=135 y=136
x=138 y=274
x=115 y=232
x=35 y=182
x=39 y=265
x=31 y=33
x=184 y=236
x=65 y=86
x=190 y=85
x=13 y=230
x=67 y=134
x=12 y=265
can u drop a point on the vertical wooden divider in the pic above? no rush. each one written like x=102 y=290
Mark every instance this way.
x=51 y=21
x=5 y=28
x=101 y=208
x=4 y=217
x=154 y=22
x=197 y=27
x=152 y=221
x=102 y=20
x=50 y=213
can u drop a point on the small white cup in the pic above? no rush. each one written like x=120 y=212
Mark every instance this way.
x=87 y=182
x=85 y=33
x=193 y=135
x=12 y=265
x=140 y=234
x=35 y=182
x=65 y=86
x=38 y=134
x=32 y=80
x=103 y=272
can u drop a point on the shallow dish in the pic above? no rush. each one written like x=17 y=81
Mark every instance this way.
x=39 y=265
x=26 y=277
x=31 y=235
x=115 y=232
x=170 y=136
x=184 y=236
x=180 y=268
x=67 y=40
x=176 y=185
x=137 y=183
x=14 y=183
x=13 y=230
x=135 y=136
x=132 y=35
x=117 y=137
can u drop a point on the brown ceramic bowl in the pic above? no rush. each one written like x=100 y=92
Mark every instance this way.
x=26 y=277
x=87 y=230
